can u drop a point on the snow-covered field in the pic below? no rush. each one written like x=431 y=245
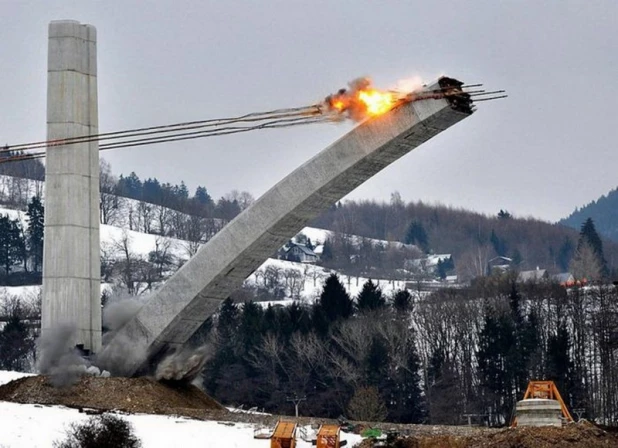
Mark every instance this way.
x=307 y=284
x=32 y=426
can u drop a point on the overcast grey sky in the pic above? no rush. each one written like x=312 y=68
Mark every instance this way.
x=551 y=146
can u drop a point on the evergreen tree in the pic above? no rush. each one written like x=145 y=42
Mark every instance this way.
x=334 y=300
x=499 y=244
x=405 y=395
x=402 y=301
x=370 y=297
x=327 y=251
x=504 y=214
x=183 y=191
x=151 y=191
x=376 y=363
x=250 y=327
x=449 y=264
x=36 y=228
x=417 y=235
x=11 y=243
x=270 y=324
x=319 y=320
x=497 y=341
x=202 y=197
x=130 y=186
x=441 y=270
x=516 y=257
x=227 y=324
x=444 y=391
x=588 y=235
x=565 y=253
x=16 y=343
x=299 y=318
x=559 y=367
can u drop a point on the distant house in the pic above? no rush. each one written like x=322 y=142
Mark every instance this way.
x=499 y=263
x=432 y=260
x=535 y=275
x=451 y=279
x=300 y=252
x=566 y=279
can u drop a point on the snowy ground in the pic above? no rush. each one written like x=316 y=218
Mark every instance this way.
x=30 y=426
x=310 y=280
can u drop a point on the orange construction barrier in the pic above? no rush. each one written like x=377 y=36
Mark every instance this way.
x=284 y=435
x=328 y=436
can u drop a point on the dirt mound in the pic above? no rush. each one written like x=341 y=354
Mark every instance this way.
x=576 y=435
x=135 y=395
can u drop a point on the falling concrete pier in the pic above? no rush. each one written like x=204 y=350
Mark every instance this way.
x=195 y=292
x=71 y=257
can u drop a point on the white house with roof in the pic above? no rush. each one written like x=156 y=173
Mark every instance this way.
x=300 y=252
x=535 y=275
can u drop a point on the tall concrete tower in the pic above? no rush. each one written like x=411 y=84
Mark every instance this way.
x=71 y=258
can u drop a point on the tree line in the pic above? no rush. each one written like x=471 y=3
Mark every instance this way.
x=429 y=359
x=604 y=211
x=472 y=238
x=21 y=248
x=174 y=197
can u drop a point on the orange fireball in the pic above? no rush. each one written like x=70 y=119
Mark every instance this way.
x=376 y=102
x=359 y=101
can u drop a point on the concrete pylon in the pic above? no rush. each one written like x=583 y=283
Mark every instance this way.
x=196 y=290
x=71 y=257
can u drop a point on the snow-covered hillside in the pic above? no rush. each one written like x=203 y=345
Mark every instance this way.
x=298 y=281
x=319 y=236
x=303 y=282
x=34 y=426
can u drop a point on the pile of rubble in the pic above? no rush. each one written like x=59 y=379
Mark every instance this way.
x=133 y=395
x=575 y=435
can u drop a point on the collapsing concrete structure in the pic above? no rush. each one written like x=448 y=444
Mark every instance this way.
x=190 y=296
x=71 y=258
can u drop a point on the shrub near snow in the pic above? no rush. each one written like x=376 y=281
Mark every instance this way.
x=105 y=431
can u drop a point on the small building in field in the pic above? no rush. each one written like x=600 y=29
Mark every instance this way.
x=301 y=253
x=536 y=275
x=500 y=264
x=568 y=280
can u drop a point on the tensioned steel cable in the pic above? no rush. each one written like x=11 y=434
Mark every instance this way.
x=278 y=118
x=279 y=123
x=307 y=111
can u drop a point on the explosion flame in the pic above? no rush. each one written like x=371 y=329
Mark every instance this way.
x=361 y=100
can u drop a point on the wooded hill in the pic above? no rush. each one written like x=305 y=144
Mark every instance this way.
x=603 y=211
x=472 y=238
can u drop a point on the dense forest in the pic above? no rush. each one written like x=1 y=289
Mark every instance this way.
x=604 y=212
x=407 y=359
